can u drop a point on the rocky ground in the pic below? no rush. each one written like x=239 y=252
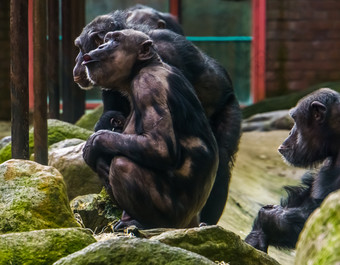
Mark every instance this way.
x=258 y=177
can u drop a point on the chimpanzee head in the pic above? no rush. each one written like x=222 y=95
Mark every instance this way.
x=316 y=132
x=152 y=18
x=91 y=37
x=111 y=65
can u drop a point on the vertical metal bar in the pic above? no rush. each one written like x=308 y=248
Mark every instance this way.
x=53 y=59
x=40 y=81
x=19 y=78
x=258 y=50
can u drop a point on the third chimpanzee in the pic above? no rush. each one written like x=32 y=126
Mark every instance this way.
x=164 y=162
x=314 y=138
x=210 y=80
x=141 y=14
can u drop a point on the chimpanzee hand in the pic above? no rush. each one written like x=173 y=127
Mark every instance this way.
x=258 y=240
x=95 y=148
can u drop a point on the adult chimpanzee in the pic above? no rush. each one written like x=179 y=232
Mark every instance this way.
x=314 y=138
x=211 y=83
x=164 y=162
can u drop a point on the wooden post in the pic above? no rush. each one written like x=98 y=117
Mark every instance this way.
x=72 y=23
x=19 y=78
x=39 y=81
x=53 y=59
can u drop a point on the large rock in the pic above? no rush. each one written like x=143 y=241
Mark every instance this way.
x=89 y=119
x=96 y=211
x=67 y=157
x=123 y=250
x=32 y=197
x=57 y=131
x=275 y=120
x=42 y=246
x=217 y=244
x=319 y=241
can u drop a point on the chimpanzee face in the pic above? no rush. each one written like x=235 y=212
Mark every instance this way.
x=110 y=65
x=310 y=140
x=91 y=37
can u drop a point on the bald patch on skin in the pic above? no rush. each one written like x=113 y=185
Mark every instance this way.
x=193 y=143
x=185 y=169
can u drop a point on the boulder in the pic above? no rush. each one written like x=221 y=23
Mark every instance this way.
x=5 y=141
x=275 y=120
x=32 y=196
x=125 y=250
x=96 y=211
x=67 y=157
x=217 y=244
x=319 y=241
x=57 y=131
x=89 y=119
x=42 y=246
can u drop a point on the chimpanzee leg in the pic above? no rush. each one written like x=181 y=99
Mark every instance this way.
x=226 y=128
x=146 y=197
x=103 y=170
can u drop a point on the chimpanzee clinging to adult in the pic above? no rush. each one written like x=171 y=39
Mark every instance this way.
x=315 y=138
x=164 y=163
x=209 y=79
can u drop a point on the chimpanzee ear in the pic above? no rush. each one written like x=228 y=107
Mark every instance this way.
x=145 y=52
x=98 y=37
x=161 y=24
x=318 y=111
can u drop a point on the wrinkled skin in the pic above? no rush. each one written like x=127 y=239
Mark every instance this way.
x=313 y=139
x=164 y=162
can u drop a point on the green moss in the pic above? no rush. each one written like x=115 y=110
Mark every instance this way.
x=42 y=246
x=32 y=197
x=88 y=120
x=57 y=131
x=319 y=241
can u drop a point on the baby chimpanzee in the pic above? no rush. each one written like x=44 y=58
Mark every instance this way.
x=164 y=162
x=314 y=138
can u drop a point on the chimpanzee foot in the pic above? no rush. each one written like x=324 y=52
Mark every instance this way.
x=126 y=221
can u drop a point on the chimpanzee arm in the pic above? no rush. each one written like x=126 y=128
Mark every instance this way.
x=154 y=143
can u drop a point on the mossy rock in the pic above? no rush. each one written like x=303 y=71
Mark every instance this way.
x=319 y=241
x=42 y=246
x=32 y=197
x=130 y=251
x=217 y=244
x=89 y=120
x=57 y=131
x=97 y=211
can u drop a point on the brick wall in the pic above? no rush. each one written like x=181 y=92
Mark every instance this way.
x=5 y=104
x=303 y=44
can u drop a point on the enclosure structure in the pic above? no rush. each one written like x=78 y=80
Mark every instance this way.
x=284 y=46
